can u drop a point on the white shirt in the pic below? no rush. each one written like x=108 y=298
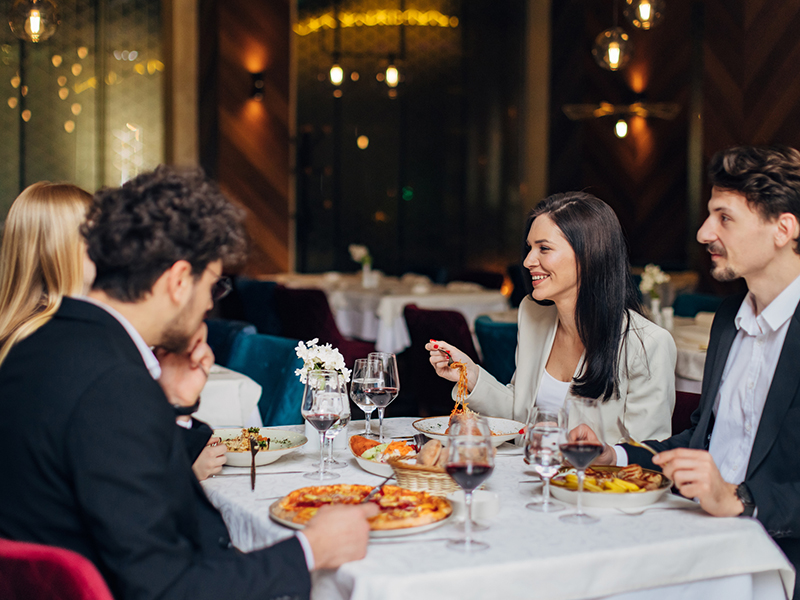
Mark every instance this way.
x=552 y=393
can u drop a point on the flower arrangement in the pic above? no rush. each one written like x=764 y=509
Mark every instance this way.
x=652 y=277
x=360 y=254
x=319 y=358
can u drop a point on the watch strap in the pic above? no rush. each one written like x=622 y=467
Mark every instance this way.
x=746 y=498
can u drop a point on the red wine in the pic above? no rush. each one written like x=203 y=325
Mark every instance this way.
x=381 y=396
x=469 y=476
x=322 y=421
x=581 y=454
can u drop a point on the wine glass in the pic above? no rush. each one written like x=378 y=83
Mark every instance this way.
x=543 y=435
x=385 y=382
x=581 y=413
x=358 y=384
x=470 y=461
x=337 y=428
x=323 y=404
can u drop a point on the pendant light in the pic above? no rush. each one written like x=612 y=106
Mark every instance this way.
x=644 y=14
x=33 y=20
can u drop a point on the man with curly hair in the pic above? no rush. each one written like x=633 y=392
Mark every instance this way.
x=96 y=462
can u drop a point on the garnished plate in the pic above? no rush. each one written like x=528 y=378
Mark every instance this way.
x=607 y=499
x=281 y=442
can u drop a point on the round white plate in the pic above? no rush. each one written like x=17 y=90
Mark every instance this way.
x=609 y=500
x=503 y=430
x=281 y=442
x=386 y=533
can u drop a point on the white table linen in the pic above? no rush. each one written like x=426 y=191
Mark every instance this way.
x=229 y=399
x=660 y=554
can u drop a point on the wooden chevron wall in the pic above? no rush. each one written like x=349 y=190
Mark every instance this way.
x=245 y=142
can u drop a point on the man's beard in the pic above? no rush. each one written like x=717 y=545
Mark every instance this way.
x=177 y=334
x=719 y=273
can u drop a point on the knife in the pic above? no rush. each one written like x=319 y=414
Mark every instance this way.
x=376 y=489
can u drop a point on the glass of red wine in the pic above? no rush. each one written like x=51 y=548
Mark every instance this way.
x=385 y=382
x=324 y=401
x=544 y=435
x=580 y=414
x=470 y=462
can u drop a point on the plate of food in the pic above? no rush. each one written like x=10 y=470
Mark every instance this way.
x=373 y=457
x=503 y=430
x=402 y=512
x=273 y=443
x=611 y=487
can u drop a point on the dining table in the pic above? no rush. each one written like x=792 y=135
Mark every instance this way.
x=229 y=399
x=691 y=335
x=375 y=313
x=672 y=549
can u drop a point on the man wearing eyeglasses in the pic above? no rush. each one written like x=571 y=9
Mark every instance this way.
x=87 y=411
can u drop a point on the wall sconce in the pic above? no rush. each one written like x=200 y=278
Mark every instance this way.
x=257 y=90
x=336 y=74
x=644 y=14
x=646 y=110
x=621 y=128
x=33 y=20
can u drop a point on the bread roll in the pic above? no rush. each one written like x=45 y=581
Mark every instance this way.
x=430 y=453
x=441 y=462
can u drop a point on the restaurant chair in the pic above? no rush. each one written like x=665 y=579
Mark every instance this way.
x=498 y=343
x=305 y=314
x=490 y=280
x=688 y=305
x=685 y=404
x=222 y=333
x=258 y=304
x=271 y=361
x=37 y=572
x=431 y=393
x=517 y=274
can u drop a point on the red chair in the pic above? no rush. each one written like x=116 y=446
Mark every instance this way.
x=305 y=314
x=685 y=404
x=36 y=572
x=431 y=393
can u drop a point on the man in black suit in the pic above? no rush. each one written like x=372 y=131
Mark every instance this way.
x=740 y=456
x=94 y=460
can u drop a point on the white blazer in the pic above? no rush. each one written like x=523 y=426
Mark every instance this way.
x=646 y=376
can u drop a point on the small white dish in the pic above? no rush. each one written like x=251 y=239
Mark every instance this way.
x=282 y=442
x=485 y=505
x=503 y=430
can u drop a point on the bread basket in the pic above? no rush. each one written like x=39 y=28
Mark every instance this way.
x=422 y=479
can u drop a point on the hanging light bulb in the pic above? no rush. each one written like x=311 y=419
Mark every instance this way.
x=337 y=74
x=644 y=14
x=33 y=20
x=621 y=128
x=612 y=49
x=392 y=76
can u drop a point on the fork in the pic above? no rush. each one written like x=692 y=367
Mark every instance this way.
x=627 y=437
x=449 y=356
x=376 y=489
x=253 y=451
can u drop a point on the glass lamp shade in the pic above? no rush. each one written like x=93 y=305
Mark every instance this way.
x=644 y=14
x=33 y=20
x=612 y=49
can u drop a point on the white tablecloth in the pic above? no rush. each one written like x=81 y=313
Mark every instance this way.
x=691 y=338
x=229 y=399
x=660 y=554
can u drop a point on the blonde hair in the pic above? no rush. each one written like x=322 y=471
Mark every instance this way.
x=41 y=257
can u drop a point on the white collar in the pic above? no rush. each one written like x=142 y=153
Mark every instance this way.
x=774 y=315
x=150 y=360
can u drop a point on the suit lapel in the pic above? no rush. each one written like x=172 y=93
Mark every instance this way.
x=781 y=393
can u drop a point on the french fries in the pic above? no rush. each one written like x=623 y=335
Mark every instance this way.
x=630 y=479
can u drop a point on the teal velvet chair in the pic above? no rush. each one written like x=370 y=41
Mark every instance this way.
x=223 y=333
x=499 y=347
x=688 y=305
x=271 y=362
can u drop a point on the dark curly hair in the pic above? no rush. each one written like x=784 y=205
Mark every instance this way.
x=136 y=232
x=768 y=176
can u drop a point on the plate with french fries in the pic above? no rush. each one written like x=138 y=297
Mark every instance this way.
x=611 y=487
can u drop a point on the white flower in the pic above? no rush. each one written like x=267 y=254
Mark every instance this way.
x=318 y=358
x=652 y=277
x=359 y=254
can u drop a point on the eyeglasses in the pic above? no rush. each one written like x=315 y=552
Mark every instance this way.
x=221 y=288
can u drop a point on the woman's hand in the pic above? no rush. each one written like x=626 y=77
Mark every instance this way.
x=439 y=361
x=210 y=460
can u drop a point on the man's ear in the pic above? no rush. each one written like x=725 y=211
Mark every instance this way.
x=178 y=282
x=787 y=230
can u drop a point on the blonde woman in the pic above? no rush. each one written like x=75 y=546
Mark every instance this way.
x=42 y=258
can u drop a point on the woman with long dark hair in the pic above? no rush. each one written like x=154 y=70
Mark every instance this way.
x=581 y=331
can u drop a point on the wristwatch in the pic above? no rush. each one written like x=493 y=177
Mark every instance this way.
x=743 y=493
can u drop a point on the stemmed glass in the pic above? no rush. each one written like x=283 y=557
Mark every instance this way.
x=543 y=435
x=323 y=404
x=385 y=381
x=358 y=384
x=581 y=413
x=470 y=461
x=338 y=427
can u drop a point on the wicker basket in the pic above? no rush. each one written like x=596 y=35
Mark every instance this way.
x=423 y=479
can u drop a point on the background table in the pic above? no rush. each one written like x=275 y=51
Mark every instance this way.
x=532 y=555
x=229 y=399
x=691 y=338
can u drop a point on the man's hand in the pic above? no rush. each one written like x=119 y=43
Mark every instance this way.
x=584 y=433
x=696 y=476
x=183 y=376
x=339 y=534
x=210 y=460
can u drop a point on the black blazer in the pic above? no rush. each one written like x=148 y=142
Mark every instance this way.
x=94 y=462
x=773 y=473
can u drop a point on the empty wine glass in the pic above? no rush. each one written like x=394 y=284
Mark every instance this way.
x=358 y=384
x=382 y=372
x=337 y=428
x=543 y=436
x=470 y=461
x=323 y=404
x=581 y=413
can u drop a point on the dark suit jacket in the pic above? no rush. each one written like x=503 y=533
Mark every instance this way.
x=773 y=473
x=94 y=462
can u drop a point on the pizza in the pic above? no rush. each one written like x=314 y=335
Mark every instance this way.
x=399 y=508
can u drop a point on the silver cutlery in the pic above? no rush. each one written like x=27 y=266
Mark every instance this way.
x=259 y=472
x=641 y=511
x=376 y=489
x=627 y=437
x=407 y=541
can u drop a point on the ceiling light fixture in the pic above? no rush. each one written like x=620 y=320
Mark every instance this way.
x=644 y=14
x=33 y=20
